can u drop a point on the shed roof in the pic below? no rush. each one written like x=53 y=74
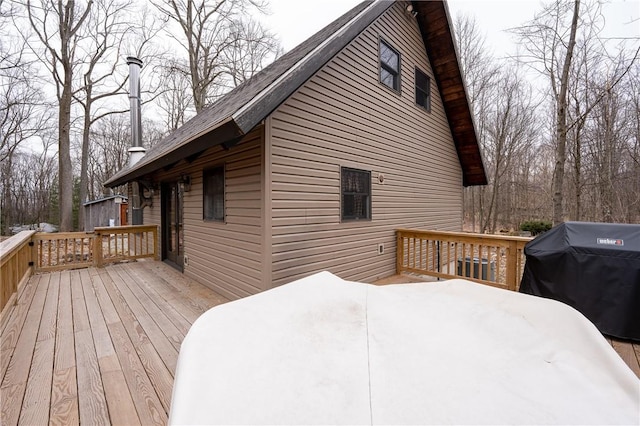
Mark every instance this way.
x=108 y=197
x=239 y=111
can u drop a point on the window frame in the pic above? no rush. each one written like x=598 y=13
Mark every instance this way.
x=205 y=193
x=426 y=94
x=384 y=66
x=368 y=194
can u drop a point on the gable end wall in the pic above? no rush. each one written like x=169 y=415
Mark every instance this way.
x=343 y=116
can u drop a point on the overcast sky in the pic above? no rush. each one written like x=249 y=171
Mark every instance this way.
x=296 y=20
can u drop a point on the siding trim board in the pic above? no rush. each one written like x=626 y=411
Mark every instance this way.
x=267 y=207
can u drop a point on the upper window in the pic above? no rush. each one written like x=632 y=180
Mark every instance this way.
x=213 y=194
x=423 y=90
x=356 y=194
x=389 y=66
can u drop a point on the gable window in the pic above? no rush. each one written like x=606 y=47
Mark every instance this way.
x=423 y=90
x=213 y=194
x=389 y=66
x=355 y=194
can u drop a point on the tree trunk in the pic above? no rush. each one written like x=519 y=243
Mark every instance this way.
x=561 y=122
x=5 y=204
x=84 y=162
x=65 y=171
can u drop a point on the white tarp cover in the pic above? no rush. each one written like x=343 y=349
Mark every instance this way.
x=326 y=351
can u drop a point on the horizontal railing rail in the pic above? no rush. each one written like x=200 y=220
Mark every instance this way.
x=63 y=250
x=31 y=251
x=15 y=264
x=115 y=244
x=72 y=250
x=494 y=260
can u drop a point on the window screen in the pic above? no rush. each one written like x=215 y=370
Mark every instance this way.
x=389 y=66
x=213 y=195
x=356 y=194
x=423 y=90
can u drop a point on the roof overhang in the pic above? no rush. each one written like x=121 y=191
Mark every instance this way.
x=225 y=133
x=435 y=25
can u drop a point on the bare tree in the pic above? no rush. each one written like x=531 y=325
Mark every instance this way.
x=177 y=98
x=100 y=79
x=510 y=133
x=252 y=48
x=550 y=41
x=209 y=32
x=57 y=26
x=29 y=190
x=110 y=140
x=479 y=70
x=23 y=114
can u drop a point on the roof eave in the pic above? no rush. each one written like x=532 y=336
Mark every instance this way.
x=435 y=26
x=227 y=131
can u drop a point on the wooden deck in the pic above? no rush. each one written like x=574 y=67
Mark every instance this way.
x=100 y=345
x=97 y=345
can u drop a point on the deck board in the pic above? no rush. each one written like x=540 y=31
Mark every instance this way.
x=64 y=390
x=14 y=383
x=97 y=345
x=11 y=333
x=37 y=398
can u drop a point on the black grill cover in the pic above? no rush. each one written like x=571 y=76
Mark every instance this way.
x=593 y=267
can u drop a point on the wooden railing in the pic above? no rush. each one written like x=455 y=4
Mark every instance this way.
x=30 y=251
x=72 y=250
x=15 y=265
x=495 y=260
x=125 y=243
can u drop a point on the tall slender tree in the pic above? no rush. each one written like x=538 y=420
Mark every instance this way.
x=57 y=26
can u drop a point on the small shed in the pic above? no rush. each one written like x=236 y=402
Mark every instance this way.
x=107 y=211
x=593 y=267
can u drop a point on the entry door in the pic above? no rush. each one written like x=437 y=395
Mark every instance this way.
x=172 y=228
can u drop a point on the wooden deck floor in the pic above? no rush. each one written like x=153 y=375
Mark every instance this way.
x=97 y=346
x=100 y=346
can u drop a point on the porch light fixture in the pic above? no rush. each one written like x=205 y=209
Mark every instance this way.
x=185 y=180
x=410 y=10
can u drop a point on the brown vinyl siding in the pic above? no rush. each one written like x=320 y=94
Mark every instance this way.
x=344 y=116
x=225 y=256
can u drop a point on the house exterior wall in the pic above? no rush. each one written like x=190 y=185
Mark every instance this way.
x=343 y=116
x=225 y=256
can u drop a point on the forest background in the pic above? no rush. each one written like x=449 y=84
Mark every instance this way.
x=558 y=120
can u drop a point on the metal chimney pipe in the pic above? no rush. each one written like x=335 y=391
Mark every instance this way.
x=137 y=151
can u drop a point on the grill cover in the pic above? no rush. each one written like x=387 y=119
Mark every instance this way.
x=593 y=267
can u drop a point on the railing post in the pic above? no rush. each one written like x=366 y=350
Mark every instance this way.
x=512 y=266
x=35 y=259
x=156 y=252
x=97 y=249
x=399 y=252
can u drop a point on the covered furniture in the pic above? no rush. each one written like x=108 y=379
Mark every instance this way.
x=593 y=267
x=326 y=351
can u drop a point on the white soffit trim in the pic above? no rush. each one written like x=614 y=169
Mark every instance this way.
x=300 y=62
